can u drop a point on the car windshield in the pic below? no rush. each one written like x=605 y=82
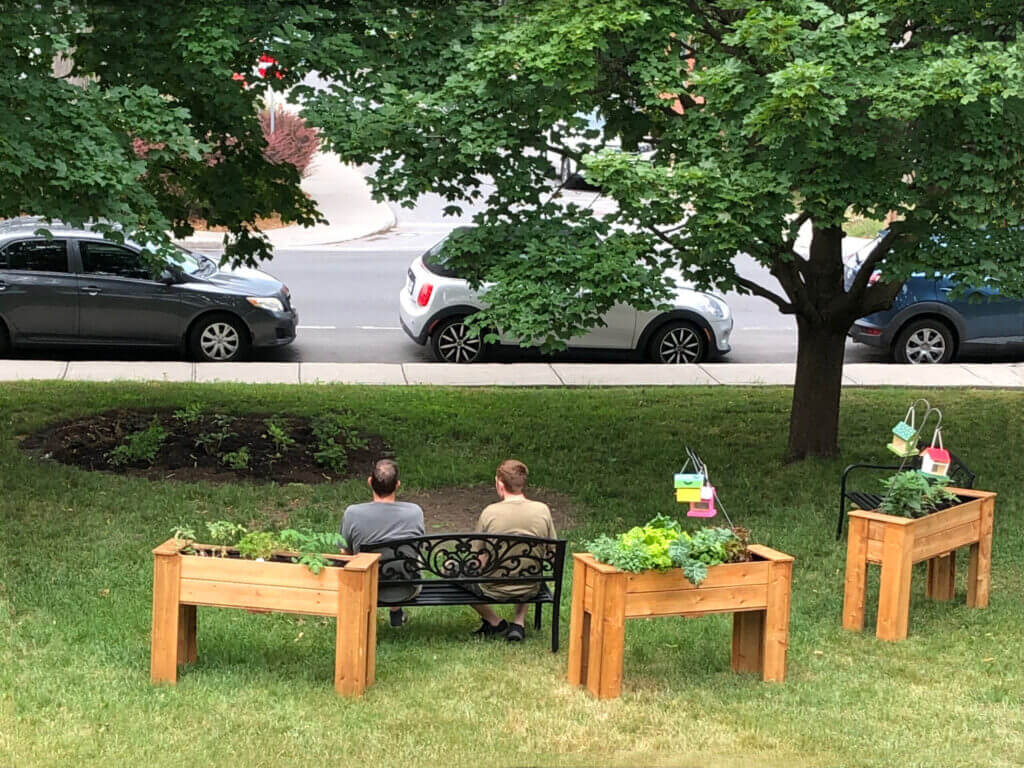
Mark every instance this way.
x=434 y=261
x=191 y=263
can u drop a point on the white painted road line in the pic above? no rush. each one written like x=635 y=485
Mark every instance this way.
x=317 y=327
x=379 y=327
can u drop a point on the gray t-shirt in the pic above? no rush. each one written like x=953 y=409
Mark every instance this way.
x=380 y=521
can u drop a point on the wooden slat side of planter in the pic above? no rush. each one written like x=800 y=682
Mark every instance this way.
x=229 y=594
x=678 y=602
x=733 y=574
x=269 y=574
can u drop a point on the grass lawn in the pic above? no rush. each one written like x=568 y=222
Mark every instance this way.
x=76 y=572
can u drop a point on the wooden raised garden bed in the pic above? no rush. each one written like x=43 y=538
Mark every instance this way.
x=603 y=597
x=346 y=589
x=896 y=543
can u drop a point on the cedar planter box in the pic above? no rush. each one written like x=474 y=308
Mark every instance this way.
x=603 y=597
x=896 y=543
x=347 y=590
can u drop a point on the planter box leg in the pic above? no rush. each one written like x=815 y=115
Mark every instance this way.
x=166 y=638
x=748 y=641
x=856 y=575
x=356 y=613
x=894 y=590
x=614 y=632
x=579 y=628
x=187 y=649
x=980 y=563
x=941 y=584
x=776 y=623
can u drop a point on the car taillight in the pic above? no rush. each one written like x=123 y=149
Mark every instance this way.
x=875 y=277
x=423 y=298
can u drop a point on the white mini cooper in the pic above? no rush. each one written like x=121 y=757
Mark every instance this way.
x=435 y=302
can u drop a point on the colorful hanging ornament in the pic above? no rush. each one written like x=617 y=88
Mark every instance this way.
x=705 y=506
x=935 y=459
x=905 y=434
x=688 y=486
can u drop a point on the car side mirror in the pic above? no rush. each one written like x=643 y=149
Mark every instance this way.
x=168 y=277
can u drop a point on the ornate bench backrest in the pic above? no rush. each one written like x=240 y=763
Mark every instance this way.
x=469 y=557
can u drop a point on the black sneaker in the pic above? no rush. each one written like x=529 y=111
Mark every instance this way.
x=516 y=633
x=490 y=630
x=398 y=618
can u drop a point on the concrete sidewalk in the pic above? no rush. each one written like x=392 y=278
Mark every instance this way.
x=343 y=197
x=991 y=375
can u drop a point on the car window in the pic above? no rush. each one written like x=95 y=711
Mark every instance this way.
x=109 y=259
x=36 y=256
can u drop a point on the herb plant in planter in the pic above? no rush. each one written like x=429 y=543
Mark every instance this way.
x=661 y=570
x=920 y=519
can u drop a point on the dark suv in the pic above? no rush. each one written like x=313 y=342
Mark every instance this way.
x=927 y=325
x=75 y=288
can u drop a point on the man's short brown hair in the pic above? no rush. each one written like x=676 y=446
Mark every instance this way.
x=384 y=479
x=513 y=474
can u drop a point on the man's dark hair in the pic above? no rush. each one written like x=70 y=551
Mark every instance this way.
x=384 y=479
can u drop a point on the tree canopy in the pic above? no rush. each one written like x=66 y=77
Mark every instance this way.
x=146 y=124
x=763 y=117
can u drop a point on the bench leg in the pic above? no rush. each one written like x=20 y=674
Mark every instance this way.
x=536 y=616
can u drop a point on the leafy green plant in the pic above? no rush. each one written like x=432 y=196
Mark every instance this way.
x=183 y=532
x=662 y=544
x=913 y=494
x=279 y=436
x=335 y=436
x=211 y=440
x=257 y=545
x=224 y=534
x=141 y=446
x=190 y=415
x=311 y=546
x=239 y=459
x=705 y=547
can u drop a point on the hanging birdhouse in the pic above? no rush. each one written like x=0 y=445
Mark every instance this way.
x=935 y=459
x=904 y=440
x=688 y=485
x=705 y=506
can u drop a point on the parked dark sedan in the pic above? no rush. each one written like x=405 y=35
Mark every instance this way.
x=76 y=288
x=926 y=324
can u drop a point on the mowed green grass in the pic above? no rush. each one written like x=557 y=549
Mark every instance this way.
x=76 y=575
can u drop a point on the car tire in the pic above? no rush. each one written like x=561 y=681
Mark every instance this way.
x=678 y=342
x=219 y=338
x=5 y=340
x=924 y=342
x=450 y=342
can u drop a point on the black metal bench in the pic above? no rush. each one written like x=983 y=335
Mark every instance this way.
x=959 y=474
x=443 y=564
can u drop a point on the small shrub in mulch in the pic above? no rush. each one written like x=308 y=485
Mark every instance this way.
x=194 y=444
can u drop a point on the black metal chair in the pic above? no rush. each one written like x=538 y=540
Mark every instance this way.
x=441 y=565
x=959 y=474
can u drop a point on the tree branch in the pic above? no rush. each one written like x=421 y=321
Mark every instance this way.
x=784 y=306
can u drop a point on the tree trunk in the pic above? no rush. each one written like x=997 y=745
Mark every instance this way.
x=814 y=418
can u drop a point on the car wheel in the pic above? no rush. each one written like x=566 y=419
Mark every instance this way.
x=924 y=342
x=452 y=342
x=219 y=339
x=5 y=340
x=678 y=342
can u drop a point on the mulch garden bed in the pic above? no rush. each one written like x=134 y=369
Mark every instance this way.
x=211 y=447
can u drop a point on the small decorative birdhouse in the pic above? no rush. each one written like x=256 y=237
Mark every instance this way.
x=705 y=506
x=688 y=485
x=935 y=459
x=904 y=440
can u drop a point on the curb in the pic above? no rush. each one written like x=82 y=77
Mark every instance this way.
x=562 y=375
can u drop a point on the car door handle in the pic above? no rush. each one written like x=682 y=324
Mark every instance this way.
x=92 y=290
x=946 y=289
x=3 y=285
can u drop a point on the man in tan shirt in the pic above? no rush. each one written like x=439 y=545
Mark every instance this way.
x=519 y=516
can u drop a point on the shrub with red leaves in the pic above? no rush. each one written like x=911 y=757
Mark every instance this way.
x=293 y=141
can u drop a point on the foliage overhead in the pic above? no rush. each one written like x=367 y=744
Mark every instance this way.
x=132 y=72
x=763 y=116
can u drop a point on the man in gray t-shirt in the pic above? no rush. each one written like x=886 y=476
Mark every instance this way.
x=382 y=520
